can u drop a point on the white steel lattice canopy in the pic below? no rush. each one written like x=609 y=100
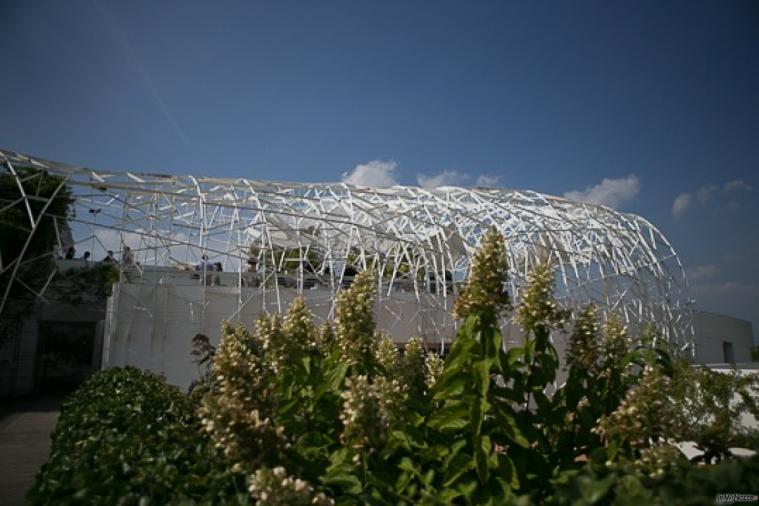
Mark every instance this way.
x=299 y=235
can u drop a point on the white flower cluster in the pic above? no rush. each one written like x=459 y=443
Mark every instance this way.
x=657 y=461
x=615 y=343
x=273 y=341
x=485 y=288
x=538 y=306
x=387 y=356
x=274 y=487
x=299 y=328
x=645 y=416
x=583 y=351
x=433 y=369
x=286 y=341
x=354 y=321
x=369 y=410
x=235 y=413
x=412 y=371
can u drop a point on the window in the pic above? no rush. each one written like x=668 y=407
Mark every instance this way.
x=727 y=349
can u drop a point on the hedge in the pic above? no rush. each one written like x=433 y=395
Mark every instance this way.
x=127 y=437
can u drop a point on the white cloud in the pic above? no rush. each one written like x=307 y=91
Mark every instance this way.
x=487 y=181
x=609 y=192
x=445 y=178
x=382 y=174
x=706 y=194
x=737 y=185
x=681 y=204
x=374 y=174
x=726 y=290
x=702 y=273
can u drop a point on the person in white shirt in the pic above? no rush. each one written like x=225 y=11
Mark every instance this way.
x=204 y=265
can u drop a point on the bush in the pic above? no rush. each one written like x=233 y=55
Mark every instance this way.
x=343 y=412
x=125 y=436
x=338 y=414
x=678 y=482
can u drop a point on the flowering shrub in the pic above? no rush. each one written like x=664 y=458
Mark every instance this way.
x=273 y=487
x=358 y=420
x=126 y=437
x=312 y=416
x=708 y=407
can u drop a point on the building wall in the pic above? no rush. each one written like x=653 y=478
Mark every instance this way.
x=151 y=326
x=713 y=330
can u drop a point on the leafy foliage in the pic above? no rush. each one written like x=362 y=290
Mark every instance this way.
x=87 y=282
x=15 y=219
x=670 y=480
x=340 y=414
x=16 y=226
x=125 y=437
x=706 y=413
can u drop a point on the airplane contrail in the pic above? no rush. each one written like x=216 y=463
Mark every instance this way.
x=122 y=41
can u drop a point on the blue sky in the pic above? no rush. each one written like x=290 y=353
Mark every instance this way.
x=652 y=107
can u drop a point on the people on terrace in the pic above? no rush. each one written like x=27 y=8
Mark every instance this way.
x=204 y=264
x=127 y=257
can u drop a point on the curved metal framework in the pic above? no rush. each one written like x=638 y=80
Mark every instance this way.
x=302 y=235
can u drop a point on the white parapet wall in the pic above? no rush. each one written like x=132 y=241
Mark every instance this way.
x=151 y=326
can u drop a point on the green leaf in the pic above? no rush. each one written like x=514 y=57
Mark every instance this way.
x=477 y=409
x=514 y=355
x=482 y=448
x=611 y=451
x=496 y=343
x=334 y=378
x=460 y=352
x=402 y=482
x=482 y=376
x=454 y=450
x=452 y=416
x=407 y=465
x=401 y=439
x=338 y=457
x=462 y=463
x=451 y=385
x=468 y=489
x=593 y=490
x=288 y=407
x=447 y=496
x=508 y=470
x=428 y=477
x=348 y=482
x=475 y=414
x=510 y=425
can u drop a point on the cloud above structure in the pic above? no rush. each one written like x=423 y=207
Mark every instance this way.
x=727 y=296
x=609 y=192
x=701 y=273
x=487 y=181
x=373 y=174
x=707 y=194
x=445 y=178
x=384 y=174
